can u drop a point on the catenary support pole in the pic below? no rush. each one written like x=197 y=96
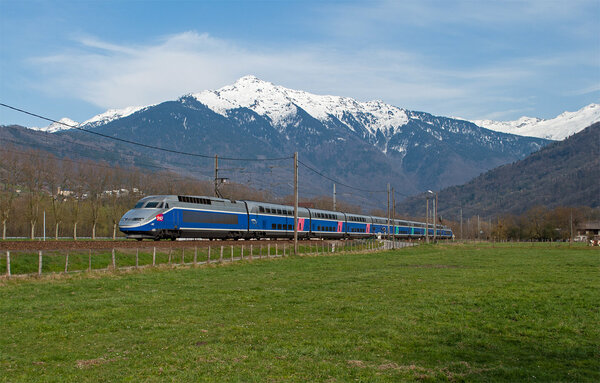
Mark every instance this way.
x=427 y=220
x=295 y=203
x=388 y=211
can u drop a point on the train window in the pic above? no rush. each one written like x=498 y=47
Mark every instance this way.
x=279 y=211
x=278 y=226
x=290 y=227
x=160 y=205
x=166 y=205
x=139 y=205
x=318 y=228
x=261 y=209
x=205 y=217
x=151 y=205
x=273 y=226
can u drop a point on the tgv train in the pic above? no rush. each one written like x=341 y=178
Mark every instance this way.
x=175 y=216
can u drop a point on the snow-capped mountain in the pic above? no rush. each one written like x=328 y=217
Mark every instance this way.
x=100 y=119
x=111 y=115
x=280 y=104
x=355 y=142
x=62 y=124
x=558 y=128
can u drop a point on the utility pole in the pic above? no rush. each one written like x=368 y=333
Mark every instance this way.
x=435 y=207
x=461 y=226
x=333 y=197
x=571 y=237
x=218 y=181
x=388 y=213
x=393 y=215
x=216 y=175
x=427 y=220
x=296 y=203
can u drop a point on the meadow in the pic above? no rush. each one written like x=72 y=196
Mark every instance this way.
x=449 y=312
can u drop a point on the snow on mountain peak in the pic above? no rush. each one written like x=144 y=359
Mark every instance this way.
x=62 y=124
x=558 y=128
x=110 y=115
x=279 y=104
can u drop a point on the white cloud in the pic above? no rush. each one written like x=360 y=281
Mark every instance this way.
x=111 y=75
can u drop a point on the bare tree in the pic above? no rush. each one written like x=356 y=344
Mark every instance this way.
x=8 y=190
x=76 y=192
x=57 y=182
x=32 y=177
x=97 y=181
x=117 y=199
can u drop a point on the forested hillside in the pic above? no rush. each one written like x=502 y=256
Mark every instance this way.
x=565 y=173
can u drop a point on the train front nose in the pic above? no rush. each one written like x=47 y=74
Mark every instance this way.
x=132 y=219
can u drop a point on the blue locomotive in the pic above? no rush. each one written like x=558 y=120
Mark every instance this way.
x=176 y=216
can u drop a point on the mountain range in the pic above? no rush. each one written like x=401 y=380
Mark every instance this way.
x=564 y=173
x=557 y=128
x=362 y=144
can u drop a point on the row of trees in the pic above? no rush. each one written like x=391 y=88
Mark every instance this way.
x=81 y=198
x=86 y=198
x=537 y=224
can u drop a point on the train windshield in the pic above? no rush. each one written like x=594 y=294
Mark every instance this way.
x=148 y=205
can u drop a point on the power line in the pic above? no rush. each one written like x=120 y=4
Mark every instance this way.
x=139 y=143
x=319 y=173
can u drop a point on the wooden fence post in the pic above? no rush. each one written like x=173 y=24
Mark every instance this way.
x=137 y=257
x=276 y=251
x=231 y=253
x=221 y=257
x=154 y=256
x=67 y=262
x=260 y=252
x=8 y=263
x=208 y=258
x=183 y=256
x=195 y=255
x=284 y=250
x=89 y=260
x=114 y=260
x=40 y=262
x=242 y=253
x=170 y=254
x=269 y=250
x=250 y=252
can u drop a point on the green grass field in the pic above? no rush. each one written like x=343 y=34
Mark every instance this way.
x=447 y=312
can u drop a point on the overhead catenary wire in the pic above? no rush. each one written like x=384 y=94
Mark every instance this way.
x=199 y=155
x=139 y=143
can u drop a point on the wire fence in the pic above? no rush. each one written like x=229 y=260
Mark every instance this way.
x=28 y=263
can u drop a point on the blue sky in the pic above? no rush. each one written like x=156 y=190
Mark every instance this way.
x=473 y=59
